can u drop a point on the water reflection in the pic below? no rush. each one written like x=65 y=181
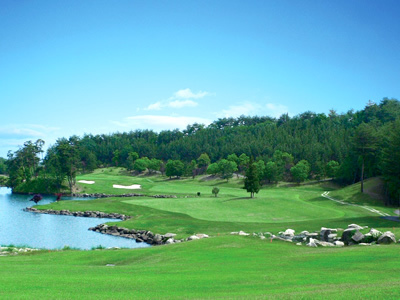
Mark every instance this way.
x=20 y=228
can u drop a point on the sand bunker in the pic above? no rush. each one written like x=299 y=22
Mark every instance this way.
x=129 y=187
x=86 y=181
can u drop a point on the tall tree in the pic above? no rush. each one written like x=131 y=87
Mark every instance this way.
x=365 y=143
x=252 y=181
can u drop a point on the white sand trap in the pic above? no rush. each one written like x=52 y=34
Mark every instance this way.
x=86 y=181
x=129 y=187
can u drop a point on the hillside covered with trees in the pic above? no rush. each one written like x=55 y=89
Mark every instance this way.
x=348 y=147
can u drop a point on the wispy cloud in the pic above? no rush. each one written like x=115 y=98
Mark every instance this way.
x=188 y=94
x=276 y=110
x=234 y=111
x=25 y=131
x=253 y=109
x=155 y=106
x=158 y=123
x=180 y=104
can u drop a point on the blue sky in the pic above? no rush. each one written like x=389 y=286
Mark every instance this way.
x=75 y=67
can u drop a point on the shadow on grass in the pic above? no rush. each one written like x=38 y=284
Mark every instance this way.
x=240 y=198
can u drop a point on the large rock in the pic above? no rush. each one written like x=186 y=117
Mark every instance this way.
x=375 y=233
x=387 y=238
x=357 y=237
x=355 y=226
x=289 y=232
x=312 y=243
x=338 y=243
x=347 y=235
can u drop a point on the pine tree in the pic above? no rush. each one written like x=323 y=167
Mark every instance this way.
x=252 y=180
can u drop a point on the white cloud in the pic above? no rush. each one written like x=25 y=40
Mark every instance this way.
x=247 y=109
x=159 y=123
x=155 y=106
x=276 y=110
x=180 y=104
x=188 y=94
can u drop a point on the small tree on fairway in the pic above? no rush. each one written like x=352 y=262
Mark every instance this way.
x=215 y=191
x=252 y=180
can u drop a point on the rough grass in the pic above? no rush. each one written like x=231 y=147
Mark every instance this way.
x=223 y=266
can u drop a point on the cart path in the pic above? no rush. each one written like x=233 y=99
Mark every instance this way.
x=326 y=195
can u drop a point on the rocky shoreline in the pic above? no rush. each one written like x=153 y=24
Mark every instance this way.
x=141 y=236
x=86 y=214
x=101 y=195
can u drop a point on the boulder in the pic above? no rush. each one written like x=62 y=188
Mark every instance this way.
x=355 y=226
x=338 y=243
x=375 y=233
x=312 y=243
x=243 y=233
x=289 y=232
x=192 y=238
x=357 y=237
x=169 y=235
x=170 y=241
x=387 y=238
x=202 y=235
x=347 y=234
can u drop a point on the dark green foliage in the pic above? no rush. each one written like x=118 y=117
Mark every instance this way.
x=300 y=171
x=316 y=138
x=365 y=142
x=215 y=191
x=213 y=169
x=3 y=166
x=332 y=168
x=391 y=163
x=226 y=168
x=141 y=164
x=252 y=180
x=174 y=168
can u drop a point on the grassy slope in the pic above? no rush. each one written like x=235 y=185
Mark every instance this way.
x=223 y=266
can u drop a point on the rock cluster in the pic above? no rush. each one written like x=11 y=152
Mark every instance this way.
x=328 y=237
x=88 y=214
x=5 y=251
x=100 y=195
x=144 y=236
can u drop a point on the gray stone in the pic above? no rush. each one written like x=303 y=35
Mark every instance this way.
x=387 y=238
x=357 y=237
x=312 y=243
x=202 y=235
x=338 y=243
x=169 y=235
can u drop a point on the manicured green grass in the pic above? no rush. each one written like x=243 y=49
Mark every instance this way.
x=223 y=266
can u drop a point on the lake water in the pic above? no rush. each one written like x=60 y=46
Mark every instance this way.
x=21 y=228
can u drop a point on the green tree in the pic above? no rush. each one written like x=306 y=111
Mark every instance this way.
x=252 y=181
x=271 y=171
x=243 y=162
x=364 y=143
x=391 y=163
x=130 y=161
x=215 y=191
x=213 y=169
x=332 y=168
x=154 y=165
x=174 y=168
x=226 y=168
x=203 y=161
x=141 y=164
x=300 y=171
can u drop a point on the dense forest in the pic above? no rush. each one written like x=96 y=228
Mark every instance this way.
x=349 y=147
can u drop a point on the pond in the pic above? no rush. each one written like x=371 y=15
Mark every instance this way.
x=21 y=228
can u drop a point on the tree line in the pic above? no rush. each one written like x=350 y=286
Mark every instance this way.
x=348 y=146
